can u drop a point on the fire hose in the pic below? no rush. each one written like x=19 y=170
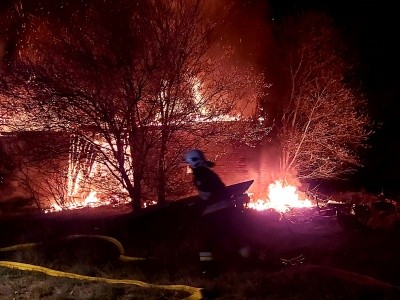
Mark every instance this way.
x=356 y=278
x=195 y=292
x=340 y=274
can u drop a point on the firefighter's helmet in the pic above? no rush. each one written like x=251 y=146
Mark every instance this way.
x=195 y=158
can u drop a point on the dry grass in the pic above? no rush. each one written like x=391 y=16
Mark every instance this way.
x=22 y=285
x=173 y=245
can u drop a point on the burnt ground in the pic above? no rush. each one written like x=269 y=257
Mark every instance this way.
x=338 y=247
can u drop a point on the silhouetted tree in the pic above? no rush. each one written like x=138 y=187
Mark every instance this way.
x=323 y=122
x=128 y=78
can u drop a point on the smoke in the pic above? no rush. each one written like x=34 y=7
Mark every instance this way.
x=247 y=28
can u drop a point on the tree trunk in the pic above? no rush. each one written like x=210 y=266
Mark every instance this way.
x=136 y=195
x=161 y=178
x=135 y=192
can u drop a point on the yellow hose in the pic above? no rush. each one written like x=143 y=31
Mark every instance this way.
x=70 y=237
x=195 y=292
x=20 y=246
x=130 y=258
x=100 y=237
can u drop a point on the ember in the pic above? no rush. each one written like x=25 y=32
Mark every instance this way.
x=90 y=201
x=280 y=197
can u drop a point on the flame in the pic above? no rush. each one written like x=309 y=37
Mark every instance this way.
x=281 y=197
x=54 y=207
x=91 y=200
x=149 y=203
x=82 y=163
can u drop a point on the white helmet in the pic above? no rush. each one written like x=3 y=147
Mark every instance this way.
x=195 y=158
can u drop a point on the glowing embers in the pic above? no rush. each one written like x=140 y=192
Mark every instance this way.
x=90 y=201
x=281 y=197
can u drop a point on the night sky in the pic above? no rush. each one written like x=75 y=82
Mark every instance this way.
x=371 y=28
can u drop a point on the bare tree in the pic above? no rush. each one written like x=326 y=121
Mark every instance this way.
x=127 y=78
x=7 y=165
x=324 y=122
x=200 y=91
x=36 y=167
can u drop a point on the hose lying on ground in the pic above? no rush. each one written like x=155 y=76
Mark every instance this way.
x=195 y=292
x=112 y=240
x=352 y=277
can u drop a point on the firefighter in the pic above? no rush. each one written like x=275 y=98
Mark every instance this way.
x=215 y=216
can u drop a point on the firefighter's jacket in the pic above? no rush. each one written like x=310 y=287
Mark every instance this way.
x=211 y=189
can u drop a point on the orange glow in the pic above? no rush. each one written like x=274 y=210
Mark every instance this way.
x=82 y=165
x=280 y=197
x=91 y=200
x=53 y=208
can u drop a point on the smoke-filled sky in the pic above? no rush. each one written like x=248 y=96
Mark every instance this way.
x=371 y=28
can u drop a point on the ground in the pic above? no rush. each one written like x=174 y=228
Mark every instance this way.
x=302 y=254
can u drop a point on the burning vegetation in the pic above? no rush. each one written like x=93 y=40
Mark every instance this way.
x=127 y=97
x=132 y=100
x=99 y=101
x=280 y=197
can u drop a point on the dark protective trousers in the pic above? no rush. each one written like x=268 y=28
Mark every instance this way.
x=218 y=234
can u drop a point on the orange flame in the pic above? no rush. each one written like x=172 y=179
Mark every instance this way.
x=281 y=198
x=90 y=201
